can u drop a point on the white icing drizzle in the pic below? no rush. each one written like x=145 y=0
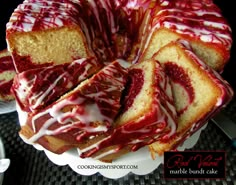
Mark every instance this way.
x=169 y=110
x=58 y=16
x=96 y=13
x=145 y=39
x=202 y=32
x=95 y=145
x=64 y=118
x=38 y=98
x=110 y=16
x=164 y=113
x=221 y=35
x=102 y=40
x=124 y=63
x=85 y=108
x=35 y=98
x=105 y=154
x=38 y=8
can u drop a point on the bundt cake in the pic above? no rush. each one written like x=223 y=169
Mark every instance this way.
x=147 y=114
x=199 y=22
x=86 y=111
x=42 y=32
x=36 y=88
x=7 y=73
x=199 y=92
x=103 y=105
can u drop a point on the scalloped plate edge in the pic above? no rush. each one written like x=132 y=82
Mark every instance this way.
x=145 y=164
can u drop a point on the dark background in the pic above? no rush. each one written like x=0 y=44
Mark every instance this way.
x=7 y=7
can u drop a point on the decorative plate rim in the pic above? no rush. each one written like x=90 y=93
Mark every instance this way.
x=7 y=106
x=142 y=158
x=2 y=155
x=140 y=161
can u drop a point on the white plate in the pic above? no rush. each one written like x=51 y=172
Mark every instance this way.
x=7 y=106
x=139 y=163
x=2 y=155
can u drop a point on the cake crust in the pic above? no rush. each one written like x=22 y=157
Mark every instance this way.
x=207 y=92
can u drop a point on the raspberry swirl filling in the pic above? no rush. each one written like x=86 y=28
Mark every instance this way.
x=6 y=67
x=181 y=82
x=158 y=124
x=6 y=64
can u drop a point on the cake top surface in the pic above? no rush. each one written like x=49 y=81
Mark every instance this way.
x=39 y=15
x=194 y=18
x=33 y=92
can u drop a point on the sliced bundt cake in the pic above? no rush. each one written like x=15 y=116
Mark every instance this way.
x=37 y=88
x=199 y=22
x=43 y=33
x=147 y=114
x=48 y=32
x=199 y=92
x=81 y=114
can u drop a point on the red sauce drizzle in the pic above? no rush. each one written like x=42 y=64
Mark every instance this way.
x=123 y=136
x=104 y=90
x=40 y=80
x=144 y=131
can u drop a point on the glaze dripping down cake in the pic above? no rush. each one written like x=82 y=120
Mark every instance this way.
x=37 y=88
x=110 y=76
x=147 y=115
x=88 y=110
x=198 y=22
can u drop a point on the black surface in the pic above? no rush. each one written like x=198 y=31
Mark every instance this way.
x=6 y=9
x=31 y=167
x=228 y=11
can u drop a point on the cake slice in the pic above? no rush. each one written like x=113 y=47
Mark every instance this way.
x=7 y=73
x=199 y=92
x=80 y=115
x=36 y=88
x=42 y=33
x=147 y=114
